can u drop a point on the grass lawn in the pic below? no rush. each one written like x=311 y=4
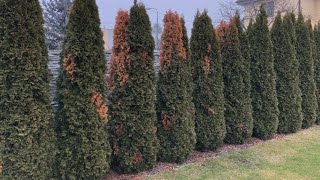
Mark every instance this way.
x=293 y=157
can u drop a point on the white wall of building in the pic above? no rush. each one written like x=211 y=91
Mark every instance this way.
x=310 y=8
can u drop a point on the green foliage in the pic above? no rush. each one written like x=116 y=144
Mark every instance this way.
x=81 y=119
x=188 y=75
x=306 y=70
x=185 y=37
x=289 y=23
x=245 y=51
x=249 y=30
x=242 y=130
x=208 y=84
x=175 y=127
x=238 y=114
x=263 y=79
x=317 y=66
x=189 y=82
x=27 y=139
x=287 y=74
x=314 y=57
x=133 y=109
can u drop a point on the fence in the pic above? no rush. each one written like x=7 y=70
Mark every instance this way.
x=54 y=66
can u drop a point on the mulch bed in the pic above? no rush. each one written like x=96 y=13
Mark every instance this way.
x=196 y=157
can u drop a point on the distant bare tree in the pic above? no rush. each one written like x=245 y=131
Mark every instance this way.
x=229 y=8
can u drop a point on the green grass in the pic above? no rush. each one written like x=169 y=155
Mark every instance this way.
x=293 y=157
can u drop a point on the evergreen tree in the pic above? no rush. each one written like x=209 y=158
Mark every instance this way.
x=119 y=77
x=238 y=114
x=249 y=30
x=293 y=18
x=263 y=79
x=208 y=84
x=289 y=23
x=176 y=131
x=287 y=74
x=312 y=40
x=188 y=74
x=245 y=51
x=314 y=57
x=185 y=38
x=27 y=146
x=317 y=66
x=306 y=70
x=55 y=16
x=135 y=143
x=82 y=116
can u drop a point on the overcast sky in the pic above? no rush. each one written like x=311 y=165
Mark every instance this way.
x=108 y=9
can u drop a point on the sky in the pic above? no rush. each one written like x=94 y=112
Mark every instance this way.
x=108 y=9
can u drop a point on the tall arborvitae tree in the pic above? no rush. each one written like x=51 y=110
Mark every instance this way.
x=82 y=116
x=245 y=51
x=188 y=73
x=185 y=37
x=289 y=23
x=135 y=143
x=119 y=77
x=314 y=57
x=176 y=128
x=208 y=84
x=312 y=38
x=238 y=112
x=55 y=16
x=263 y=78
x=26 y=118
x=287 y=75
x=249 y=29
x=306 y=70
x=317 y=66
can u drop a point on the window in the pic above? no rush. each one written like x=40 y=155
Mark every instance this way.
x=269 y=6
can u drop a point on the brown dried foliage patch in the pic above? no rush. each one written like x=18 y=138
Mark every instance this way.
x=224 y=33
x=144 y=55
x=118 y=130
x=1 y=167
x=120 y=50
x=154 y=129
x=102 y=108
x=137 y=158
x=167 y=121
x=209 y=48
x=70 y=9
x=206 y=65
x=211 y=111
x=116 y=148
x=69 y=66
x=172 y=36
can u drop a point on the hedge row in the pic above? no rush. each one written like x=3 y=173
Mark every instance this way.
x=228 y=85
